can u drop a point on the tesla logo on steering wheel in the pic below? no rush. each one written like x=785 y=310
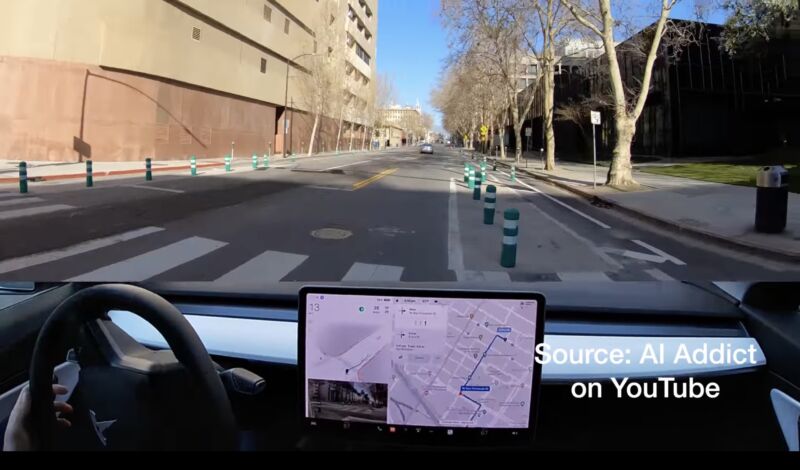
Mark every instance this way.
x=100 y=427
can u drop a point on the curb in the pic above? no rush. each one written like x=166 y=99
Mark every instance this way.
x=775 y=254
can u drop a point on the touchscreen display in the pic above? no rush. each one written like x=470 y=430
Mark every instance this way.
x=420 y=362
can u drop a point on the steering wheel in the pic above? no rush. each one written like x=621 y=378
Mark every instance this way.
x=131 y=397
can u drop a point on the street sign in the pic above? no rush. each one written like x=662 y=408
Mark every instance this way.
x=528 y=132
x=596 y=119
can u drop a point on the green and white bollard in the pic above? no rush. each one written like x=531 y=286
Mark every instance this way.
x=148 y=174
x=89 y=174
x=23 y=177
x=513 y=173
x=466 y=172
x=489 y=205
x=266 y=161
x=471 y=178
x=476 y=192
x=255 y=162
x=228 y=160
x=508 y=257
x=193 y=164
x=483 y=171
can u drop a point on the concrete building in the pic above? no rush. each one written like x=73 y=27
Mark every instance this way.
x=403 y=124
x=125 y=80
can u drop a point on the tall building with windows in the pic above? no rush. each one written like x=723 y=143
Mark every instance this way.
x=125 y=80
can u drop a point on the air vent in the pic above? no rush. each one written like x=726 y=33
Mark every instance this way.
x=196 y=34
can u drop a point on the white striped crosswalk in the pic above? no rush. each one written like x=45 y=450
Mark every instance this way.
x=270 y=266
x=19 y=201
x=29 y=211
x=373 y=272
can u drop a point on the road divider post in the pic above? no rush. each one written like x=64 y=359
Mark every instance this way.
x=23 y=177
x=476 y=192
x=483 y=170
x=489 y=205
x=513 y=173
x=148 y=167
x=266 y=162
x=89 y=174
x=193 y=164
x=255 y=161
x=466 y=172
x=471 y=177
x=228 y=168
x=508 y=257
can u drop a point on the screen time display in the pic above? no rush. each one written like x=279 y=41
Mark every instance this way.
x=418 y=361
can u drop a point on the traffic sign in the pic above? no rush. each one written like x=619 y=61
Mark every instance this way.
x=528 y=132
x=596 y=119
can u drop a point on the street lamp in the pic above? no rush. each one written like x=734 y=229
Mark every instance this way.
x=286 y=98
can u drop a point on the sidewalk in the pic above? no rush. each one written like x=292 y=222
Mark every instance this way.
x=55 y=171
x=724 y=213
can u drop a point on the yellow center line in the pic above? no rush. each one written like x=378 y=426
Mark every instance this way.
x=368 y=181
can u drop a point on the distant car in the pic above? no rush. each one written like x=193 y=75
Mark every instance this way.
x=426 y=148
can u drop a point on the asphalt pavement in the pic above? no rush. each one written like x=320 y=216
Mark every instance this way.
x=393 y=215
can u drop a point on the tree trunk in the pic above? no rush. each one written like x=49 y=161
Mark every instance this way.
x=503 y=142
x=363 y=137
x=313 y=135
x=352 y=129
x=549 y=131
x=621 y=174
x=339 y=131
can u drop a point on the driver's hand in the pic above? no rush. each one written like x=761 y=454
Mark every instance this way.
x=18 y=433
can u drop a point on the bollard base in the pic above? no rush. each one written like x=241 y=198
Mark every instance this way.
x=508 y=257
x=488 y=217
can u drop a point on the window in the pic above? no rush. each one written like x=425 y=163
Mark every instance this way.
x=267 y=13
x=196 y=34
x=286 y=26
x=360 y=52
x=263 y=65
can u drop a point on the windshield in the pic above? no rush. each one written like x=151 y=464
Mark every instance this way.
x=446 y=141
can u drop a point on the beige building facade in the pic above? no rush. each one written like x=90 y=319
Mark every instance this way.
x=124 y=80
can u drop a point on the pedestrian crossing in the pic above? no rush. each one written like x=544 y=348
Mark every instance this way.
x=150 y=253
x=16 y=205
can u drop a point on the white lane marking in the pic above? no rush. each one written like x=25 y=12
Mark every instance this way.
x=659 y=275
x=270 y=266
x=599 y=252
x=455 y=252
x=2 y=195
x=150 y=264
x=643 y=256
x=489 y=276
x=345 y=166
x=6 y=215
x=154 y=188
x=660 y=253
x=373 y=272
x=20 y=201
x=566 y=206
x=55 y=255
x=584 y=276
x=331 y=188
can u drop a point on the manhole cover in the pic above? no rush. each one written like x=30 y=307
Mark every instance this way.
x=331 y=234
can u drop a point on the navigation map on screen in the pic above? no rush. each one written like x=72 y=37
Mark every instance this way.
x=419 y=361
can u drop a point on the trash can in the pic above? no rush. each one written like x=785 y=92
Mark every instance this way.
x=772 y=199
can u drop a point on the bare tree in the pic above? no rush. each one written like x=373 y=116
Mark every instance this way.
x=628 y=102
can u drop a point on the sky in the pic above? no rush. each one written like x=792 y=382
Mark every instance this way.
x=413 y=45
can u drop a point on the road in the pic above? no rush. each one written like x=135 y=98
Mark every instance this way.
x=386 y=216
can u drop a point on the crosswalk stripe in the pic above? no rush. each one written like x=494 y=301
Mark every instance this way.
x=491 y=276
x=583 y=276
x=151 y=264
x=5 y=195
x=659 y=275
x=270 y=266
x=13 y=214
x=373 y=272
x=20 y=201
x=55 y=255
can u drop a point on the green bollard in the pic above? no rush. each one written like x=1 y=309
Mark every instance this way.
x=489 y=205
x=508 y=257
x=513 y=173
x=193 y=164
x=483 y=171
x=471 y=178
x=89 y=174
x=23 y=177
x=228 y=159
x=266 y=161
x=476 y=192
x=148 y=174
x=255 y=162
x=466 y=172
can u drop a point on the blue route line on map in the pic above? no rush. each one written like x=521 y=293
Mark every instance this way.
x=469 y=377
